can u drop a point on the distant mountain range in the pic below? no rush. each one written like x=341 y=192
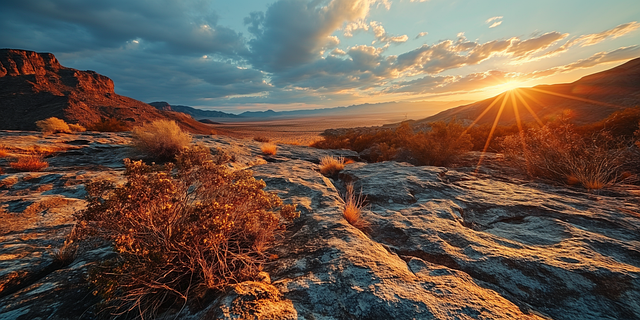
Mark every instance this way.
x=409 y=109
x=587 y=100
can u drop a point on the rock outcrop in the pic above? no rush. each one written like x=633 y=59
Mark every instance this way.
x=442 y=244
x=34 y=86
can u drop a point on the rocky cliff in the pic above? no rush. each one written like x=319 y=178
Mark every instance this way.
x=443 y=244
x=34 y=86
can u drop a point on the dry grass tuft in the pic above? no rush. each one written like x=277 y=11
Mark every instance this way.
x=331 y=165
x=161 y=139
x=3 y=151
x=561 y=154
x=353 y=209
x=180 y=231
x=29 y=163
x=269 y=149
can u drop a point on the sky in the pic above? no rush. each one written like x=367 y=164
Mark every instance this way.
x=249 y=55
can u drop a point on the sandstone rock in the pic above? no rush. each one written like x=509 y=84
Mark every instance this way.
x=34 y=86
x=443 y=244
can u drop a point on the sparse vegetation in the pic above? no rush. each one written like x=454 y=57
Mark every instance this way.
x=29 y=163
x=440 y=145
x=180 y=231
x=269 y=149
x=261 y=139
x=561 y=154
x=161 y=139
x=109 y=125
x=353 y=206
x=331 y=165
x=55 y=125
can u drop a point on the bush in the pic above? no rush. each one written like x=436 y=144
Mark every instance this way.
x=161 y=139
x=76 y=127
x=261 y=139
x=29 y=163
x=109 y=125
x=441 y=145
x=180 y=232
x=331 y=165
x=53 y=125
x=269 y=149
x=561 y=154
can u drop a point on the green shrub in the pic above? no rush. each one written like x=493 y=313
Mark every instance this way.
x=161 y=139
x=180 y=231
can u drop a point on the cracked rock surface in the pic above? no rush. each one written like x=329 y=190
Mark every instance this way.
x=442 y=244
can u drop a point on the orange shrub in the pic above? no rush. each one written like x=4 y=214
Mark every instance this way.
x=29 y=163
x=561 y=154
x=331 y=165
x=180 y=232
x=109 y=125
x=161 y=139
x=53 y=125
x=439 y=145
x=269 y=149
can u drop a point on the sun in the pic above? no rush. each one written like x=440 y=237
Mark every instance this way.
x=510 y=85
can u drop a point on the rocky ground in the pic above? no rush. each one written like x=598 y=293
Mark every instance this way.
x=442 y=244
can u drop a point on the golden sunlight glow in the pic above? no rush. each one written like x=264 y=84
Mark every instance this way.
x=516 y=96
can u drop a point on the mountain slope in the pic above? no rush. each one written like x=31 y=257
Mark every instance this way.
x=34 y=86
x=587 y=100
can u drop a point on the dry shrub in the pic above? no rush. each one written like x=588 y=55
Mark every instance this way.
x=439 y=145
x=269 y=149
x=77 y=127
x=180 y=231
x=161 y=139
x=261 y=139
x=29 y=163
x=53 y=125
x=353 y=206
x=560 y=154
x=331 y=165
x=109 y=125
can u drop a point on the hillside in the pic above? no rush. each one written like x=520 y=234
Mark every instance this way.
x=34 y=86
x=587 y=100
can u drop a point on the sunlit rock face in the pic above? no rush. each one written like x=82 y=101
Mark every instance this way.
x=442 y=244
x=34 y=86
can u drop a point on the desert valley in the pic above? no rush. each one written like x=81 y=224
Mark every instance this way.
x=488 y=199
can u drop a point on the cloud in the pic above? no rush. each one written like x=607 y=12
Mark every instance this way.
x=595 y=38
x=522 y=49
x=184 y=27
x=292 y=33
x=422 y=34
x=620 y=54
x=495 y=21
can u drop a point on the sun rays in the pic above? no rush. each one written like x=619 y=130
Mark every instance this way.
x=520 y=98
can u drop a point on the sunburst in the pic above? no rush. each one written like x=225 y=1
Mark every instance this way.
x=518 y=95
